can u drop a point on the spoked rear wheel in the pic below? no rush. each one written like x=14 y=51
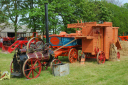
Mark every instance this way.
x=101 y=57
x=32 y=68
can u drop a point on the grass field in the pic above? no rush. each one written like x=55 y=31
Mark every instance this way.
x=110 y=73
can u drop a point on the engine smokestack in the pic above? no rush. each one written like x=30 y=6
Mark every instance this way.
x=46 y=22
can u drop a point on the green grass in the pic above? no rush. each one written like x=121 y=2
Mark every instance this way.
x=110 y=73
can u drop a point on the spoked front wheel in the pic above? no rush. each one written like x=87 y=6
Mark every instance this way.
x=32 y=68
x=73 y=55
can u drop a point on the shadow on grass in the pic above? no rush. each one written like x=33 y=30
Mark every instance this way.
x=65 y=59
x=89 y=60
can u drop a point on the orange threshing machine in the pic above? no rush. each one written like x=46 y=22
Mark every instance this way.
x=96 y=39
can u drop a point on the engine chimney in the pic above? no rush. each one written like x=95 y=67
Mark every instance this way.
x=46 y=22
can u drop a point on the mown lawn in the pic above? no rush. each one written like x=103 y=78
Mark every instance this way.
x=110 y=73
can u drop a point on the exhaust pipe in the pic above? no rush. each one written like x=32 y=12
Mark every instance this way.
x=46 y=22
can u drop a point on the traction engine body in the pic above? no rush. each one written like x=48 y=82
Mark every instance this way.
x=29 y=62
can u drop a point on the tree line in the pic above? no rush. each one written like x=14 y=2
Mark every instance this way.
x=63 y=12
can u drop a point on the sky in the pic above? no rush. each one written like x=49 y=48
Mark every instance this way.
x=123 y=1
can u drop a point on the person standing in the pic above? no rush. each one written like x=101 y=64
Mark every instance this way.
x=1 y=41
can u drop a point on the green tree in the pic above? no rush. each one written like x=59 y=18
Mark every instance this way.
x=12 y=9
x=119 y=19
x=125 y=5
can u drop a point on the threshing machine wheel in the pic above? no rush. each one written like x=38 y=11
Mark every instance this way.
x=35 y=44
x=73 y=55
x=100 y=57
x=11 y=67
x=55 y=61
x=118 y=55
x=32 y=68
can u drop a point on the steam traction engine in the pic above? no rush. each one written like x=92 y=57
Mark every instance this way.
x=30 y=61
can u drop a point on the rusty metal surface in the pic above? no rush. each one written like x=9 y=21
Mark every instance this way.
x=60 y=69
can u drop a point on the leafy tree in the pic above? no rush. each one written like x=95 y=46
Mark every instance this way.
x=63 y=12
x=93 y=11
x=125 y=5
x=3 y=20
x=12 y=9
x=116 y=2
x=119 y=19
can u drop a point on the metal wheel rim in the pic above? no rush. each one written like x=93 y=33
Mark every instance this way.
x=54 y=62
x=32 y=68
x=29 y=42
x=71 y=55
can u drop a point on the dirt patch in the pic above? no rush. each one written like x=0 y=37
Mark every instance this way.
x=124 y=50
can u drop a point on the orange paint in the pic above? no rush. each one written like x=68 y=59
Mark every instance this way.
x=54 y=40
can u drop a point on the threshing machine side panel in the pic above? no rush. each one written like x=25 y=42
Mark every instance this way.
x=87 y=45
x=115 y=34
x=101 y=38
x=108 y=35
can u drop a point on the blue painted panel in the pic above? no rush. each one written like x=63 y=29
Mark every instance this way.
x=65 y=40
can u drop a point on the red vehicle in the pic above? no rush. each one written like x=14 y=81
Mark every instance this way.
x=123 y=38
x=9 y=44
